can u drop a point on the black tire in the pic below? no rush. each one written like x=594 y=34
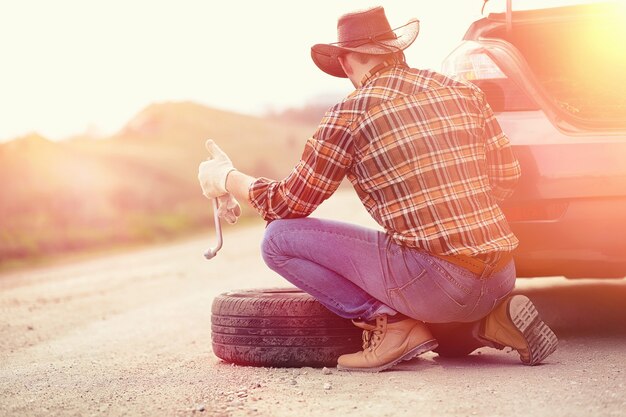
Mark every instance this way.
x=279 y=327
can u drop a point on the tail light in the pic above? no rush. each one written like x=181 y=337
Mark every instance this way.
x=470 y=62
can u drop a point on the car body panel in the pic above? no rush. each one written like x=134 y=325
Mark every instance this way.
x=569 y=209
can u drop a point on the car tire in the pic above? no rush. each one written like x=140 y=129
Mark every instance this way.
x=279 y=327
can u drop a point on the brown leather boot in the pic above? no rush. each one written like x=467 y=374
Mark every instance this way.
x=385 y=344
x=516 y=323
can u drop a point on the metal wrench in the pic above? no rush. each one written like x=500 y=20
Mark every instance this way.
x=211 y=252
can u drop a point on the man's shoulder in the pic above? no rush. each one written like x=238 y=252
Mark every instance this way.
x=337 y=118
x=435 y=84
x=350 y=107
x=429 y=79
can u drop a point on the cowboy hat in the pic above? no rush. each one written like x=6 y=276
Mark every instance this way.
x=367 y=32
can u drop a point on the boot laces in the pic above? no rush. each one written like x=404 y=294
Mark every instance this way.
x=370 y=338
x=371 y=334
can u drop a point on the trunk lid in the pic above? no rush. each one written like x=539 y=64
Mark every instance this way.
x=569 y=62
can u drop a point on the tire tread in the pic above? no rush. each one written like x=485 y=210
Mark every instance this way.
x=280 y=328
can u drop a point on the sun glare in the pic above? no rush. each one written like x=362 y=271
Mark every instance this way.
x=609 y=39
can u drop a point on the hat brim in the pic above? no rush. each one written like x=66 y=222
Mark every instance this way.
x=326 y=56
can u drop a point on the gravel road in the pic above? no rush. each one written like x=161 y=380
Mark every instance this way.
x=129 y=334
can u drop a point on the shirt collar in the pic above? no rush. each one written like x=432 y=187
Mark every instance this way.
x=379 y=69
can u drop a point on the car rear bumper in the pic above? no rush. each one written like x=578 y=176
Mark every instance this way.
x=587 y=241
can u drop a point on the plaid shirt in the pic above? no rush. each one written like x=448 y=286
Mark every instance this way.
x=424 y=153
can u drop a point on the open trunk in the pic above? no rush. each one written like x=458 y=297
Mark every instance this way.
x=576 y=57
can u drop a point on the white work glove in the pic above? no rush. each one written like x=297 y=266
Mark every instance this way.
x=212 y=173
x=228 y=208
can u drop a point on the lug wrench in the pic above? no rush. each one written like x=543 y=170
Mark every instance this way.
x=212 y=251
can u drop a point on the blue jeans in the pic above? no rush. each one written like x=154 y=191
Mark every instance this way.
x=359 y=273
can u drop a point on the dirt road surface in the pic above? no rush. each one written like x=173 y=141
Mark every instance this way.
x=129 y=335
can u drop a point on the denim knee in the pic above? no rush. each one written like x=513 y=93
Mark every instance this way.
x=269 y=249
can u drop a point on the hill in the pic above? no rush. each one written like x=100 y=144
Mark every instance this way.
x=138 y=185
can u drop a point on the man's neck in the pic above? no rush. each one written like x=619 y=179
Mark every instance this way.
x=361 y=70
x=372 y=70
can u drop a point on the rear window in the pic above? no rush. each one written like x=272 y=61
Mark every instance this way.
x=579 y=60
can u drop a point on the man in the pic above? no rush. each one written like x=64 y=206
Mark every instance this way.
x=430 y=163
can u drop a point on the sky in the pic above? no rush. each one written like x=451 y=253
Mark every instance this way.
x=73 y=66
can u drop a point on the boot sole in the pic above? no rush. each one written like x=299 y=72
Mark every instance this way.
x=416 y=351
x=540 y=338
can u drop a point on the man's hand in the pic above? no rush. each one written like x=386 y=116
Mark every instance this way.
x=228 y=208
x=212 y=173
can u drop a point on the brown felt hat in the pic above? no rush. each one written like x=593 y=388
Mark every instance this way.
x=367 y=32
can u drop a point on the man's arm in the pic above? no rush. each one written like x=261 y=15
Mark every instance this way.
x=324 y=162
x=238 y=184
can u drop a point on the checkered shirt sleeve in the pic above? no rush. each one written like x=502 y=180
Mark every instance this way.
x=324 y=162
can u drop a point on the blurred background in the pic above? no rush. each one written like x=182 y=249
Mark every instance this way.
x=105 y=107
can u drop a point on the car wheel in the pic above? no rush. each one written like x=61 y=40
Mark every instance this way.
x=279 y=327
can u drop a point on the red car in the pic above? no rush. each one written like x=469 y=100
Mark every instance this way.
x=556 y=79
